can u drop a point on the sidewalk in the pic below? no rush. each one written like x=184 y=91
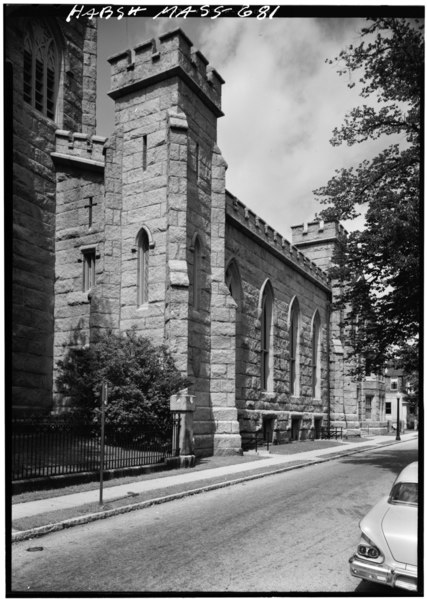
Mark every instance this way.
x=56 y=513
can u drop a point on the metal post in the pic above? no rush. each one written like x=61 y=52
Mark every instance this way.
x=328 y=366
x=104 y=399
x=398 y=419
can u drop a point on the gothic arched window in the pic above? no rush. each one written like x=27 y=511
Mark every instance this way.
x=143 y=267
x=267 y=338
x=41 y=69
x=315 y=357
x=233 y=282
x=294 y=348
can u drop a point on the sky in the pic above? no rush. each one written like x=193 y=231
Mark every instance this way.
x=281 y=101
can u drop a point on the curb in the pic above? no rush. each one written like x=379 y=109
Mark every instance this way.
x=44 y=530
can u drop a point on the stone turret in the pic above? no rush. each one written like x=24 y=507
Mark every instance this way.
x=169 y=56
x=318 y=240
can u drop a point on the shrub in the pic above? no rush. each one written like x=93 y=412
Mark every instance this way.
x=141 y=378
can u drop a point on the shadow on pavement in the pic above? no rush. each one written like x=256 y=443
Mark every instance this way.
x=389 y=459
x=371 y=589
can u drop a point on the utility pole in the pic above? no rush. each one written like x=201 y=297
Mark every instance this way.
x=398 y=418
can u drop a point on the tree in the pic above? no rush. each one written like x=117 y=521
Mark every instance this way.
x=141 y=378
x=379 y=266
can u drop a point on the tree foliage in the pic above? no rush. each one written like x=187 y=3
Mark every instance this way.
x=380 y=264
x=140 y=376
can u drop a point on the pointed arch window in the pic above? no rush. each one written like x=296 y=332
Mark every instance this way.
x=41 y=69
x=294 y=348
x=197 y=272
x=315 y=357
x=267 y=339
x=233 y=283
x=143 y=267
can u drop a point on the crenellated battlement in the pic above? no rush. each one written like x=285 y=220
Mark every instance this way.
x=253 y=224
x=317 y=231
x=169 y=55
x=81 y=147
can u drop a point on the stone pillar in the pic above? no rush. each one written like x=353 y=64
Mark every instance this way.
x=176 y=304
x=184 y=405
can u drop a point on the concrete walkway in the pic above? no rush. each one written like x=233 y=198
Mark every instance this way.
x=231 y=474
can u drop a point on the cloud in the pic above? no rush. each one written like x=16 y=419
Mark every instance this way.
x=281 y=102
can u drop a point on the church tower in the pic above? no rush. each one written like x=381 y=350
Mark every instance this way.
x=354 y=402
x=172 y=195
x=319 y=241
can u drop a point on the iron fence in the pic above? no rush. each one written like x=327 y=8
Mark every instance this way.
x=334 y=432
x=253 y=440
x=52 y=447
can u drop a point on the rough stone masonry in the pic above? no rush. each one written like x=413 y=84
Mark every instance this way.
x=139 y=230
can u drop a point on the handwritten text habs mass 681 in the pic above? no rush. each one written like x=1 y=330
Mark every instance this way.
x=211 y=12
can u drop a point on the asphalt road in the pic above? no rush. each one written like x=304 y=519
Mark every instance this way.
x=291 y=532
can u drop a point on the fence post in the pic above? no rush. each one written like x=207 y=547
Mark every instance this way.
x=183 y=405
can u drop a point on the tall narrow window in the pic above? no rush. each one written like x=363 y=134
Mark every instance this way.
x=143 y=268
x=144 y=152
x=197 y=256
x=266 y=339
x=293 y=348
x=41 y=69
x=197 y=159
x=315 y=357
x=28 y=71
x=88 y=269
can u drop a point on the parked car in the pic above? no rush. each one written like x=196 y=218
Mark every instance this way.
x=387 y=550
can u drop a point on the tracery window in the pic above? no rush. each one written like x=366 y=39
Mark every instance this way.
x=143 y=267
x=41 y=69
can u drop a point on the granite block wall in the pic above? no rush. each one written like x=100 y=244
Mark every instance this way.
x=261 y=256
x=33 y=198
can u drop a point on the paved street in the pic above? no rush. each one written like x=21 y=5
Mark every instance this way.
x=291 y=532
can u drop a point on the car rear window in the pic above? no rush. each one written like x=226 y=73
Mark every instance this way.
x=405 y=493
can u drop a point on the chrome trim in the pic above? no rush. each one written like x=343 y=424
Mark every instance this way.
x=382 y=574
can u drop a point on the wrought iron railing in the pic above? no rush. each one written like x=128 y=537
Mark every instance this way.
x=333 y=432
x=50 y=447
x=254 y=440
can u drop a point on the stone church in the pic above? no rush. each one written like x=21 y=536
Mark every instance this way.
x=139 y=230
